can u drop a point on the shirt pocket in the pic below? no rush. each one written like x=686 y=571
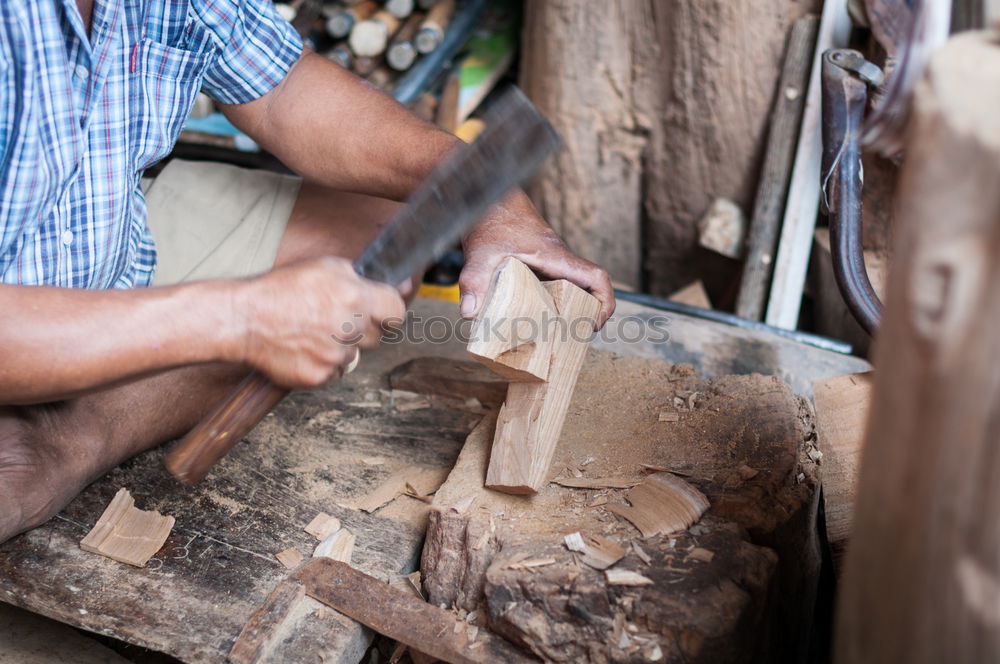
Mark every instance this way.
x=165 y=81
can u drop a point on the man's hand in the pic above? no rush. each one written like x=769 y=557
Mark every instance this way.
x=305 y=322
x=514 y=228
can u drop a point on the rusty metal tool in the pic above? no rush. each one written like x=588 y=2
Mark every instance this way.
x=447 y=204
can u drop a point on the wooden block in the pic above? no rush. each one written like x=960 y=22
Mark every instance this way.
x=841 y=416
x=261 y=630
x=511 y=334
x=127 y=534
x=528 y=426
x=401 y=616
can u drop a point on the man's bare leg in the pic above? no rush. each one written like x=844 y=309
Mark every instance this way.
x=50 y=452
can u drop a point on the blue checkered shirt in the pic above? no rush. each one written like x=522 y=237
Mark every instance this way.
x=81 y=117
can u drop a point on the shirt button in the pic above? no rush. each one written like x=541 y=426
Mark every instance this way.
x=67 y=238
x=81 y=72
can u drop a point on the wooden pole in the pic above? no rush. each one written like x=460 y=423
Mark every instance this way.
x=922 y=577
x=765 y=224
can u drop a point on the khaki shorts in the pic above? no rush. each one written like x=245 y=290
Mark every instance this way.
x=215 y=221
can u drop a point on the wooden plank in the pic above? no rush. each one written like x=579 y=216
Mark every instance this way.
x=772 y=189
x=401 y=616
x=262 y=629
x=841 y=415
x=802 y=204
x=922 y=575
x=533 y=412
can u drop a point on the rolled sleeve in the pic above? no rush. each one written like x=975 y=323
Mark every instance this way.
x=257 y=50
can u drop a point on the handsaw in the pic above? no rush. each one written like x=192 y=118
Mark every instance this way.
x=455 y=195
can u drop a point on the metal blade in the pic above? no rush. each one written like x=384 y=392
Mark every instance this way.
x=457 y=193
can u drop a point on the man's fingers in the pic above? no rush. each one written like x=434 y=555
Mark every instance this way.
x=472 y=285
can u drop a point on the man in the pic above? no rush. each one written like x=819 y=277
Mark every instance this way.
x=247 y=269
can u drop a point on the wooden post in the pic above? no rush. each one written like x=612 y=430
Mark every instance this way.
x=922 y=578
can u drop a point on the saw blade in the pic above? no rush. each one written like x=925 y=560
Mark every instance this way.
x=457 y=193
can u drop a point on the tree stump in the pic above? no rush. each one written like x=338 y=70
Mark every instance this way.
x=742 y=440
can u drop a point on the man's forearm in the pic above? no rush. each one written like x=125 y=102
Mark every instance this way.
x=329 y=126
x=57 y=342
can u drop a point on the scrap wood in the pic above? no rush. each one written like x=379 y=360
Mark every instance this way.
x=400 y=616
x=127 y=534
x=597 y=552
x=322 y=526
x=662 y=504
x=338 y=546
x=264 y=625
x=422 y=480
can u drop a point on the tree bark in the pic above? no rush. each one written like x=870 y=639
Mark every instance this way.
x=922 y=578
x=663 y=107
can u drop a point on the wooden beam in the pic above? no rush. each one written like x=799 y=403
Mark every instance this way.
x=922 y=576
x=545 y=367
x=403 y=617
x=803 y=191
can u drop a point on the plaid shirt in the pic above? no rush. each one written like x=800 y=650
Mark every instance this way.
x=82 y=117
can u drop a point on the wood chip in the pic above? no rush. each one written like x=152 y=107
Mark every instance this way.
x=339 y=546
x=423 y=481
x=598 y=501
x=596 y=551
x=597 y=482
x=290 y=558
x=418 y=404
x=746 y=472
x=127 y=534
x=642 y=555
x=662 y=504
x=701 y=555
x=624 y=577
x=669 y=416
x=531 y=564
x=322 y=526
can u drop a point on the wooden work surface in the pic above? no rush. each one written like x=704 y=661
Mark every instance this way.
x=319 y=450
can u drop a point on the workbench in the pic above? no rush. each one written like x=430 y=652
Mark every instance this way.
x=318 y=452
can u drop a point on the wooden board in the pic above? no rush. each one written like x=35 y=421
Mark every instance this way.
x=506 y=556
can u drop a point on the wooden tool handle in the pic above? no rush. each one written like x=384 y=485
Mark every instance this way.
x=232 y=419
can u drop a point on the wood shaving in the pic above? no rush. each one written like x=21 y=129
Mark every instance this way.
x=322 y=526
x=127 y=534
x=624 y=577
x=597 y=482
x=290 y=558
